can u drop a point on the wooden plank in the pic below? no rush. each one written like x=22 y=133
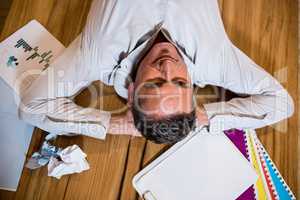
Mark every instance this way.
x=107 y=160
x=7 y=195
x=291 y=61
x=267 y=32
x=133 y=166
x=22 y=12
x=4 y=8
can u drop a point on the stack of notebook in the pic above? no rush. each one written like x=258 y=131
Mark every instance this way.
x=270 y=184
x=228 y=165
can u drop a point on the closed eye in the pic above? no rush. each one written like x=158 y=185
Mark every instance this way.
x=158 y=82
x=181 y=82
x=154 y=83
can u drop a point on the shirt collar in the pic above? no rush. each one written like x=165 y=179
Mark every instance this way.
x=133 y=57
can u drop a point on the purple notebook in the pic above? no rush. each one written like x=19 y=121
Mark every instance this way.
x=238 y=138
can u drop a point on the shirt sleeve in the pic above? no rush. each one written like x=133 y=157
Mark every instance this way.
x=48 y=104
x=267 y=102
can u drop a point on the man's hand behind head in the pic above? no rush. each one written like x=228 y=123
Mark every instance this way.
x=123 y=125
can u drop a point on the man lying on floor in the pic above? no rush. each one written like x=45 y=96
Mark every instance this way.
x=154 y=53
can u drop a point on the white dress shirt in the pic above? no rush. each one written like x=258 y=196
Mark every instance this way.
x=117 y=32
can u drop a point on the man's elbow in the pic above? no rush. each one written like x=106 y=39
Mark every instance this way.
x=290 y=106
x=283 y=109
x=24 y=110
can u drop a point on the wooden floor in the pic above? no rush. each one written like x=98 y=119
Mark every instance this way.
x=265 y=29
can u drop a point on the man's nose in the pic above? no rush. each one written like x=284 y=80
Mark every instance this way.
x=167 y=68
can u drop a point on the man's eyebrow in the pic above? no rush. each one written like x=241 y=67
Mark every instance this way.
x=156 y=80
x=179 y=79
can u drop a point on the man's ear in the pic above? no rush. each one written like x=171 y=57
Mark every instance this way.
x=130 y=94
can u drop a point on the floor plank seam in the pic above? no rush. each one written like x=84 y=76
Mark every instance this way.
x=142 y=161
x=125 y=169
x=66 y=189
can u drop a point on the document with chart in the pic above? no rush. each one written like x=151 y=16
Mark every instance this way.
x=26 y=53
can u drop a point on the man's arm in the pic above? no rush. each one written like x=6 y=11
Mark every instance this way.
x=267 y=104
x=48 y=103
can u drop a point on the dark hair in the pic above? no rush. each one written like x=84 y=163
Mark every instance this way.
x=170 y=129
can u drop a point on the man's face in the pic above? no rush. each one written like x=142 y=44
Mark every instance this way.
x=163 y=86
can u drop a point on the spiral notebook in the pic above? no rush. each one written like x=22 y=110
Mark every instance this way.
x=279 y=185
x=270 y=184
x=202 y=166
